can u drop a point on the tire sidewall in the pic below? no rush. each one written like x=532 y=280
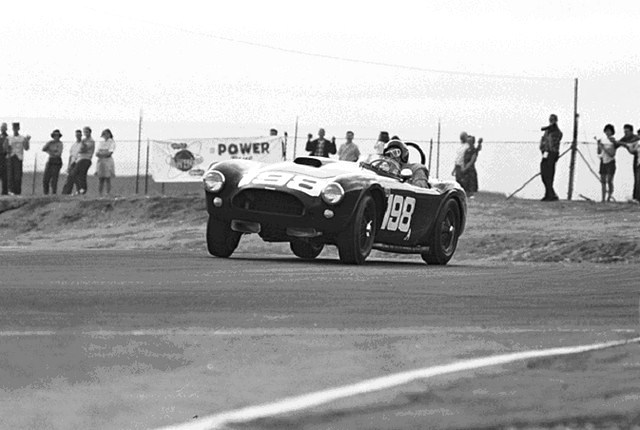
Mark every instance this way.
x=437 y=253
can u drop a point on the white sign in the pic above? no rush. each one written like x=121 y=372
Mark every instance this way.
x=185 y=160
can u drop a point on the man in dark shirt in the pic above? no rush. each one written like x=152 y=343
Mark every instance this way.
x=550 y=149
x=321 y=147
x=628 y=141
x=4 y=151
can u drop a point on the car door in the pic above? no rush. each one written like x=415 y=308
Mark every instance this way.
x=410 y=211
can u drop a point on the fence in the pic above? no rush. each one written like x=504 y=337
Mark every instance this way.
x=502 y=167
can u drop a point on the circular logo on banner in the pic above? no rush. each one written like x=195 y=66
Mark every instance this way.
x=184 y=160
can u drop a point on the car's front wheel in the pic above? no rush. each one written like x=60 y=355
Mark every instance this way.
x=355 y=244
x=305 y=249
x=445 y=235
x=221 y=240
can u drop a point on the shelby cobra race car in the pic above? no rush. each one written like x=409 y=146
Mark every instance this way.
x=313 y=201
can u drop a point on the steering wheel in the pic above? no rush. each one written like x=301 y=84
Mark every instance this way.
x=423 y=158
x=386 y=165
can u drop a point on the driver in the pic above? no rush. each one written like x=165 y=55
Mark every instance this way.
x=398 y=151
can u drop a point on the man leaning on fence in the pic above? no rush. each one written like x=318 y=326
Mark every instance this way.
x=550 y=149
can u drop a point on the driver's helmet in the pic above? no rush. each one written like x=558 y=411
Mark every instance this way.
x=396 y=150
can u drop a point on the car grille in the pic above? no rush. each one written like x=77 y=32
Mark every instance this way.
x=268 y=201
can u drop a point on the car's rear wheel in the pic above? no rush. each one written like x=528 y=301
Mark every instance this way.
x=355 y=244
x=305 y=249
x=221 y=240
x=445 y=235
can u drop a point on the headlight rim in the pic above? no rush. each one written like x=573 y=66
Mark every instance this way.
x=334 y=202
x=218 y=185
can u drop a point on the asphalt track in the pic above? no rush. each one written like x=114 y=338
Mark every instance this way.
x=129 y=293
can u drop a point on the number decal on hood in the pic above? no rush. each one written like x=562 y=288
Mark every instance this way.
x=306 y=184
x=399 y=212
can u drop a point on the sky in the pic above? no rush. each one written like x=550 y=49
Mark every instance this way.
x=209 y=68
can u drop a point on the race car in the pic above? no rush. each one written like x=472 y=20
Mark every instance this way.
x=312 y=202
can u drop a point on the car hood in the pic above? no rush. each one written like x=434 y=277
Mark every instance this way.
x=314 y=167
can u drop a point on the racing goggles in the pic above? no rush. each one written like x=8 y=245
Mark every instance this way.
x=393 y=152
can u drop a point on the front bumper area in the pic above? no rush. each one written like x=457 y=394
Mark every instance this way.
x=279 y=216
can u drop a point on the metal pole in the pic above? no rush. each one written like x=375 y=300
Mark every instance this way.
x=139 y=145
x=146 y=172
x=438 y=153
x=430 y=152
x=574 y=143
x=284 y=148
x=295 y=139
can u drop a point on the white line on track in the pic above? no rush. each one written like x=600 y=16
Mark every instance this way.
x=296 y=331
x=306 y=401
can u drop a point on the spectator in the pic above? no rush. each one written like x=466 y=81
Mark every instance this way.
x=4 y=152
x=607 y=153
x=106 y=168
x=54 y=164
x=85 y=153
x=464 y=168
x=349 y=151
x=321 y=147
x=273 y=132
x=72 y=165
x=378 y=147
x=629 y=141
x=550 y=149
x=17 y=145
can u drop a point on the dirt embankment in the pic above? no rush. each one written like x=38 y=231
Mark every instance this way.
x=514 y=230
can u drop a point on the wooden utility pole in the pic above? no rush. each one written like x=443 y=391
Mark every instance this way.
x=438 y=152
x=574 y=143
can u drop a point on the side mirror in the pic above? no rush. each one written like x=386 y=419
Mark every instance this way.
x=406 y=173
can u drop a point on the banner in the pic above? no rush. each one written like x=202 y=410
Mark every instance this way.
x=185 y=160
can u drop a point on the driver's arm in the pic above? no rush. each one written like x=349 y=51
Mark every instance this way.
x=420 y=178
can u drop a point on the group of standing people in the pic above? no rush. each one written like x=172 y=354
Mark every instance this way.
x=80 y=159
x=607 y=147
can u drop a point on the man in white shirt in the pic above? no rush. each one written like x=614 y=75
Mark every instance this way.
x=17 y=145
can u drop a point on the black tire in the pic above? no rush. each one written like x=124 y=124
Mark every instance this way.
x=356 y=242
x=221 y=240
x=445 y=235
x=305 y=249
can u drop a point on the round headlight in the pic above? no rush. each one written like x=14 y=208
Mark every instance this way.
x=332 y=193
x=213 y=181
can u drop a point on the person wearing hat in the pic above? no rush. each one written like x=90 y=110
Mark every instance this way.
x=54 y=164
x=17 y=145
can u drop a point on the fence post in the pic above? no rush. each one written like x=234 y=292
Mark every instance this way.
x=146 y=172
x=438 y=153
